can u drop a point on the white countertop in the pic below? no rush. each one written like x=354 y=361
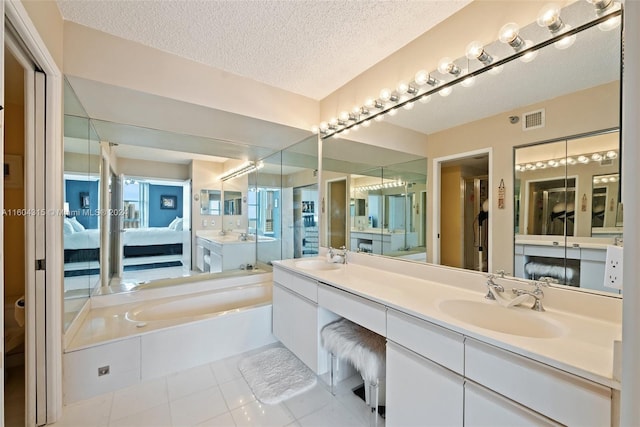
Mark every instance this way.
x=559 y=241
x=585 y=347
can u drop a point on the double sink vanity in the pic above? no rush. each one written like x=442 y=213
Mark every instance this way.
x=454 y=357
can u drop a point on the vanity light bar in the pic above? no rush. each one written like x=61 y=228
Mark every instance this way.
x=423 y=85
x=243 y=169
x=554 y=163
x=382 y=186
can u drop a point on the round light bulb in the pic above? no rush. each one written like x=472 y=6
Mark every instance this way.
x=402 y=87
x=611 y=23
x=509 y=32
x=583 y=159
x=571 y=161
x=540 y=165
x=315 y=129
x=604 y=179
x=563 y=162
x=469 y=81
x=421 y=78
x=549 y=16
x=553 y=163
x=567 y=41
x=323 y=126
x=333 y=121
x=385 y=94
x=444 y=92
x=393 y=112
x=529 y=56
x=496 y=70
x=425 y=99
x=344 y=116
x=596 y=157
x=474 y=50
x=370 y=103
x=529 y=166
x=446 y=66
x=611 y=154
x=408 y=106
x=613 y=179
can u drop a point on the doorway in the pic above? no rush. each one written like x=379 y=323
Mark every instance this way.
x=337 y=217
x=461 y=210
x=38 y=174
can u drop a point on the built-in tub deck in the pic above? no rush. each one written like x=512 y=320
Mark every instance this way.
x=107 y=324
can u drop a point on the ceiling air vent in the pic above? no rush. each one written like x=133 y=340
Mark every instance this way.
x=533 y=120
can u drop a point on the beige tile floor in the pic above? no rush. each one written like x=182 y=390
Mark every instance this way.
x=216 y=395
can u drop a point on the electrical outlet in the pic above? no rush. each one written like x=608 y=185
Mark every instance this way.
x=613 y=267
x=103 y=370
x=204 y=222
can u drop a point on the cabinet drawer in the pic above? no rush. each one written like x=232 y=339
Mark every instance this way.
x=431 y=341
x=482 y=407
x=365 y=313
x=301 y=285
x=563 y=397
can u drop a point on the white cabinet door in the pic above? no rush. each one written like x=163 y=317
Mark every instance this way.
x=483 y=407
x=295 y=324
x=420 y=392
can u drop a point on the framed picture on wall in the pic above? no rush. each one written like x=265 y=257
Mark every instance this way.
x=84 y=200
x=168 y=202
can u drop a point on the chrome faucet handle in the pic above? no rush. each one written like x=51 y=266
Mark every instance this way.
x=545 y=281
x=537 y=294
x=502 y=273
x=492 y=287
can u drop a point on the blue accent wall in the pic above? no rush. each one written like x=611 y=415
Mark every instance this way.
x=87 y=217
x=162 y=217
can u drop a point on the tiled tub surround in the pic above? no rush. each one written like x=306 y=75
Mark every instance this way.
x=152 y=337
x=543 y=378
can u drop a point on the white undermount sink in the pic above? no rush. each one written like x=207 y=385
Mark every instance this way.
x=316 y=264
x=513 y=321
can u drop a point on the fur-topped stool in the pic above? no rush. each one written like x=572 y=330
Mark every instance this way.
x=365 y=350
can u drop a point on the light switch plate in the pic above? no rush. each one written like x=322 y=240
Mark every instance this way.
x=613 y=267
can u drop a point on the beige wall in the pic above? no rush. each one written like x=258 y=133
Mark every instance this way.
x=585 y=111
x=48 y=21
x=151 y=169
x=98 y=56
x=81 y=163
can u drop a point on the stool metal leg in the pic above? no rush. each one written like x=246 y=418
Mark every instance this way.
x=332 y=373
x=373 y=397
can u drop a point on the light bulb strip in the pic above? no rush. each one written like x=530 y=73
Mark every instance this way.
x=335 y=130
x=241 y=170
x=575 y=160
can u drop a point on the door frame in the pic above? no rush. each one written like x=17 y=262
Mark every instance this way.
x=435 y=190
x=16 y=14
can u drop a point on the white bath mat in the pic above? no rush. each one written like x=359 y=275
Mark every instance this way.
x=276 y=374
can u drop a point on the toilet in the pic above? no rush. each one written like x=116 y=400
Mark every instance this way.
x=14 y=335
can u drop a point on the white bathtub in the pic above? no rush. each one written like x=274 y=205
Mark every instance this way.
x=198 y=305
x=154 y=338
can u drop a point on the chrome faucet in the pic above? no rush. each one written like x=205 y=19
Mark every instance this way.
x=338 y=257
x=537 y=293
x=492 y=287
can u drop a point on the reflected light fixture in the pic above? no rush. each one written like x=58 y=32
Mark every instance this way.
x=444 y=92
x=469 y=81
x=549 y=16
x=475 y=50
x=603 y=7
x=425 y=99
x=241 y=170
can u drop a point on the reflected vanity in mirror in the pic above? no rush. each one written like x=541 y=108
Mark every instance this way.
x=566 y=209
x=386 y=199
x=232 y=203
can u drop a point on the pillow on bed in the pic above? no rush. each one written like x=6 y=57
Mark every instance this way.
x=178 y=225
x=172 y=224
x=67 y=227
x=76 y=224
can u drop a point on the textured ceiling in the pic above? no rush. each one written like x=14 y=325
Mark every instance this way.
x=308 y=47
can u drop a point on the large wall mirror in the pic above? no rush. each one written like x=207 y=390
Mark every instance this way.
x=375 y=199
x=490 y=140
x=162 y=208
